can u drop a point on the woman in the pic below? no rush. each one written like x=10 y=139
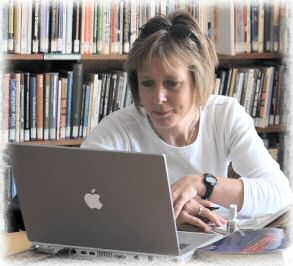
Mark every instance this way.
x=171 y=70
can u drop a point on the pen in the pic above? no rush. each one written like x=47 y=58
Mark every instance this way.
x=213 y=208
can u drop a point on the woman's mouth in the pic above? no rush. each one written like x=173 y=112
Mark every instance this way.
x=161 y=114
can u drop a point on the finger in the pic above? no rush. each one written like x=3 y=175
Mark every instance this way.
x=197 y=222
x=179 y=204
x=213 y=217
x=203 y=202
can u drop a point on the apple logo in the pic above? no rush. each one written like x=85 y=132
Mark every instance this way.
x=92 y=200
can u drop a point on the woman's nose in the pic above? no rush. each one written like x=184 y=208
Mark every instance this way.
x=160 y=95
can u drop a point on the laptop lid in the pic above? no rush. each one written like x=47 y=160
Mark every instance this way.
x=95 y=198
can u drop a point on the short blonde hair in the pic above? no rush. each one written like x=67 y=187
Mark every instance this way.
x=178 y=36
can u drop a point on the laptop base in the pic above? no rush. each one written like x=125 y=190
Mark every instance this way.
x=109 y=254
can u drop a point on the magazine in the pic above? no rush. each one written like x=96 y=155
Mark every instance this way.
x=264 y=240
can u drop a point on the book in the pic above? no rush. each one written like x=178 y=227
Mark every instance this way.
x=264 y=240
x=76 y=99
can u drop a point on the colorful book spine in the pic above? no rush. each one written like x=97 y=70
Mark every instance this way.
x=12 y=108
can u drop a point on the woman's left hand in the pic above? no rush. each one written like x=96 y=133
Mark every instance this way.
x=185 y=189
x=195 y=213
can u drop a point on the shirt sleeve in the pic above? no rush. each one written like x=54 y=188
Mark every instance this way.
x=266 y=188
x=107 y=135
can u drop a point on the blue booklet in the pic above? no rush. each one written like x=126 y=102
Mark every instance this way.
x=263 y=240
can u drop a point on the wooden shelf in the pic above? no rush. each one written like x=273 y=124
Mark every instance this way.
x=114 y=57
x=123 y=57
x=77 y=142
x=67 y=142
x=271 y=129
x=18 y=57
x=250 y=56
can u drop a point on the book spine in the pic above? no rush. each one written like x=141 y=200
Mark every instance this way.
x=53 y=106
x=86 y=110
x=76 y=99
x=254 y=28
x=261 y=26
x=87 y=25
x=276 y=25
x=76 y=27
x=60 y=26
x=64 y=27
x=126 y=27
x=107 y=28
x=69 y=27
x=95 y=28
x=63 y=108
x=80 y=130
x=100 y=27
x=133 y=21
x=12 y=108
x=44 y=26
x=40 y=105
x=33 y=107
x=10 y=44
x=4 y=17
x=17 y=107
x=54 y=26
x=29 y=26
x=96 y=102
x=6 y=107
x=36 y=29
x=19 y=30
x=69 y=104
x=21 y=106
x=114 y=24
x=26 y=106
x=47 y=89
x=58 y=119
x=120 y=27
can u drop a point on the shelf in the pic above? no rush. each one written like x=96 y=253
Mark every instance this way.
x=271 y=129
x=250 y=56
x=114 y=57
x=67 y=142
x=14 y=57
x=123 y=57
x=77 y=142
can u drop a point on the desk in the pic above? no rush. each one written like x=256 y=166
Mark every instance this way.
x=17 y=249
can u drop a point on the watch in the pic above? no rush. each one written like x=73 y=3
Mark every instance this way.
x=210 y=182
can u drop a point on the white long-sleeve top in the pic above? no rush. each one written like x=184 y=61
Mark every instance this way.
x=226 y=133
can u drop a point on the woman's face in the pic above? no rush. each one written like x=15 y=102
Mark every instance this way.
x=167 y=95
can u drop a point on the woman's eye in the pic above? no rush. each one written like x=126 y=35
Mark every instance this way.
x=171 y=83
x=147 y=83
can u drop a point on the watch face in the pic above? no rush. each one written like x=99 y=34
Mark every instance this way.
x=211 y=179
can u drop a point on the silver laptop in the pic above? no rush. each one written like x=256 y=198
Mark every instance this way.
x=97 y=202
